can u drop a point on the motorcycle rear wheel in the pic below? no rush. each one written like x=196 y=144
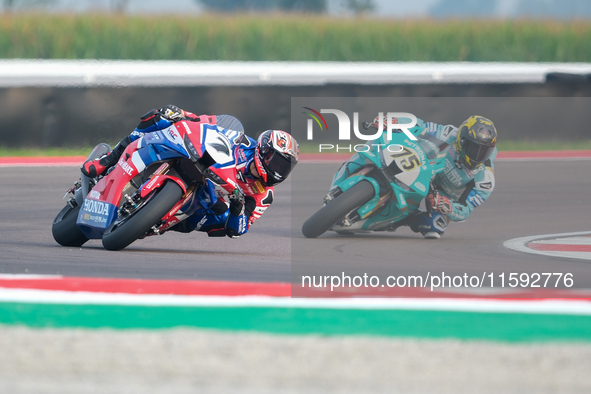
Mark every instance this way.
x=64 y=228
x=335 y=210
x=121 y=234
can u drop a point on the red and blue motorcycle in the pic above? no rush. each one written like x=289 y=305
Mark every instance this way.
x=161 y=179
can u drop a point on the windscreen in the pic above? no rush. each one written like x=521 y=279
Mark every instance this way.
x=229 y=122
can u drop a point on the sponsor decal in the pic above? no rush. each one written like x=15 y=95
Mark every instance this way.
x=96 y=207
x=260 y=210
x=125 y=167
x=201 y=223
x=242 y=224
x=259 y=187
x=98 y=219
x=173 y=135
x=475 y=199
x=241 y=155
x=420 y=186
x=418 y=150
x=94 y=194
x=401 y=199
x=485 y=185
x=186 y=126
x=151 y=183
x=451 y=174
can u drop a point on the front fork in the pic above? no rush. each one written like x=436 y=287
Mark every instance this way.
x=369 y=208
x=156 y=180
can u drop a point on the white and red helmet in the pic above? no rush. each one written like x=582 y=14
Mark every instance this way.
x=275 y=156
x=384 y=120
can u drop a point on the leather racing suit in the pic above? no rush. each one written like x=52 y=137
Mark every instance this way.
x=465 y=188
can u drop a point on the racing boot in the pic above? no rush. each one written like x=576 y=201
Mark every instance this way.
x=431 y=226
x=96 y=167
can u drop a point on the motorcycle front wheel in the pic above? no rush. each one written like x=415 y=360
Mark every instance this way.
x=64 y=228
x=123 y=232
x=335 y=210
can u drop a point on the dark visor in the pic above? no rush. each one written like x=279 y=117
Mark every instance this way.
x=476 y=152
x=277 y=165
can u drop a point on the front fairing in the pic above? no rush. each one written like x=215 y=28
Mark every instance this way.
x=161 y=145
x=213 y=150
x=101 y=205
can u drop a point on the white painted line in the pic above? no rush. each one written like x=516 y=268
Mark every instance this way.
x=28 y=276
x=566 y=241
x=570 y=255
x=520 y=245
x=561 y=307
x=57 y=164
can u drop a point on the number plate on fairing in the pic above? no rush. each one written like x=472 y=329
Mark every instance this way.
x=408 y=163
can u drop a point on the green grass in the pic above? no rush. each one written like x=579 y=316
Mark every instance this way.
x=290 y=37
x=508 y=327
x=309 y=148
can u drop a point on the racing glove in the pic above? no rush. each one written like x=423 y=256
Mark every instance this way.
x=158 y=119
x=172 y=113
x=439 y=203
x=149 y=120
x=236 y=225
x=236 y=203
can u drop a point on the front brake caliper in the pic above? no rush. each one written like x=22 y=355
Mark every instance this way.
x=332 y=194
x=131 y=202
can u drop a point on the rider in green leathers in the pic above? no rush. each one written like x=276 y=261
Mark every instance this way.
x=468 y=177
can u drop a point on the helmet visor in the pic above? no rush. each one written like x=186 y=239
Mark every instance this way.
x=278 y=167
x=475 y=152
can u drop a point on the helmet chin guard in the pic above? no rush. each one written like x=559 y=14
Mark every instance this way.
x=275 y=156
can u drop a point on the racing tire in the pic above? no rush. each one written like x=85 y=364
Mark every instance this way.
x=335 y=210
x=64 y=228
x=122 y=234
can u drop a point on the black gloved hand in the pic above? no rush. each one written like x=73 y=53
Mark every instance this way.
x=172 y=113
x=236 y=203
x=148 y=119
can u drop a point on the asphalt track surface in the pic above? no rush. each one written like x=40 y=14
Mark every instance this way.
x=530 y=198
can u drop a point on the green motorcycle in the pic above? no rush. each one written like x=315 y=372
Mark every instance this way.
x=380 y=187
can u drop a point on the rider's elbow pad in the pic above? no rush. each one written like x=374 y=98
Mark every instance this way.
x=236 y=225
